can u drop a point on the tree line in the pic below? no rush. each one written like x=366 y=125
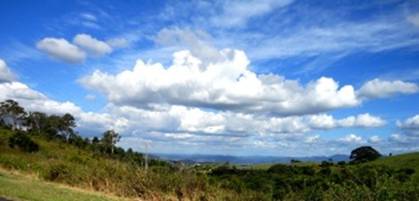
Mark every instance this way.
x=60 y=128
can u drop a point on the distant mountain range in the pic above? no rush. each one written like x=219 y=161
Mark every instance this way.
x=201 y=158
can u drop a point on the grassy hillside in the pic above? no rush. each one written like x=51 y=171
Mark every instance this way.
x=64 y=163
x=19 y=187
x=409 y=160
x=59 y=162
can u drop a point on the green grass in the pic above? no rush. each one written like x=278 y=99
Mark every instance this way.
x=409 y=160
x=24 y=188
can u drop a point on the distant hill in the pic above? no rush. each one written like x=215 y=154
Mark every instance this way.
x=202 y=158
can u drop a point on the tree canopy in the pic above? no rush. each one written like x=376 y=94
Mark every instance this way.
x=364 y=154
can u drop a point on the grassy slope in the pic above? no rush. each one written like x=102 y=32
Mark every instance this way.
x=18 y=187
x=83 y=169
x=409 y=160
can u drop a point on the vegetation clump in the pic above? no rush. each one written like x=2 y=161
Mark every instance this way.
x=22 y=141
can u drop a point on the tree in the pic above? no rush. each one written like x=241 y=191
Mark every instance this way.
x=59 y=126
x=110 y=138
x=11 y=109
x=36 y=121
x=67 y=123
x=95 y=140
x=364 y=154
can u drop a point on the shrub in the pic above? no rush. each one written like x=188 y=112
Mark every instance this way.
x=56 y=172
x=22 y=141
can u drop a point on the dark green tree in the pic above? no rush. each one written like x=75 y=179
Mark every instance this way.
x=364 y=154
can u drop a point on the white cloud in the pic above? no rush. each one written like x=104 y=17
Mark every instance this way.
x=312 y=139
x=409 y=123
x=322 y=121
x=6 y=74
x=83 y=46
x=34 y=100
x=362 y=120
x=381 y=88
x=61 y=49
x=165 y=119
x=179 y=124
x=352 y=139
x=224 y=85
x=92 y=45
x=325 y=121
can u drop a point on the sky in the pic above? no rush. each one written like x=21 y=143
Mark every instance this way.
x=256 y=77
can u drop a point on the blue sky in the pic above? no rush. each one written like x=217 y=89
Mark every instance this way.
x=265 y=77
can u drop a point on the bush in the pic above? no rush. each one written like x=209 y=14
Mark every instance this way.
x=56 y=172
x=22 y=141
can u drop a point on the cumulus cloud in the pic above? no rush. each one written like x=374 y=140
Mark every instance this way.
x=224 y=85
x=6 y=74
x=169 y=120
x=362 y=120
x=61 y=49
x=83 y=45
x=34 y=100
x=92 y=45
x=325 y=121
x=381 y=88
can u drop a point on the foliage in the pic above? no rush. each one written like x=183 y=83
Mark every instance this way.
x=110 y=138
x=22 y=141
x=10 y=109
x=364 y=154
